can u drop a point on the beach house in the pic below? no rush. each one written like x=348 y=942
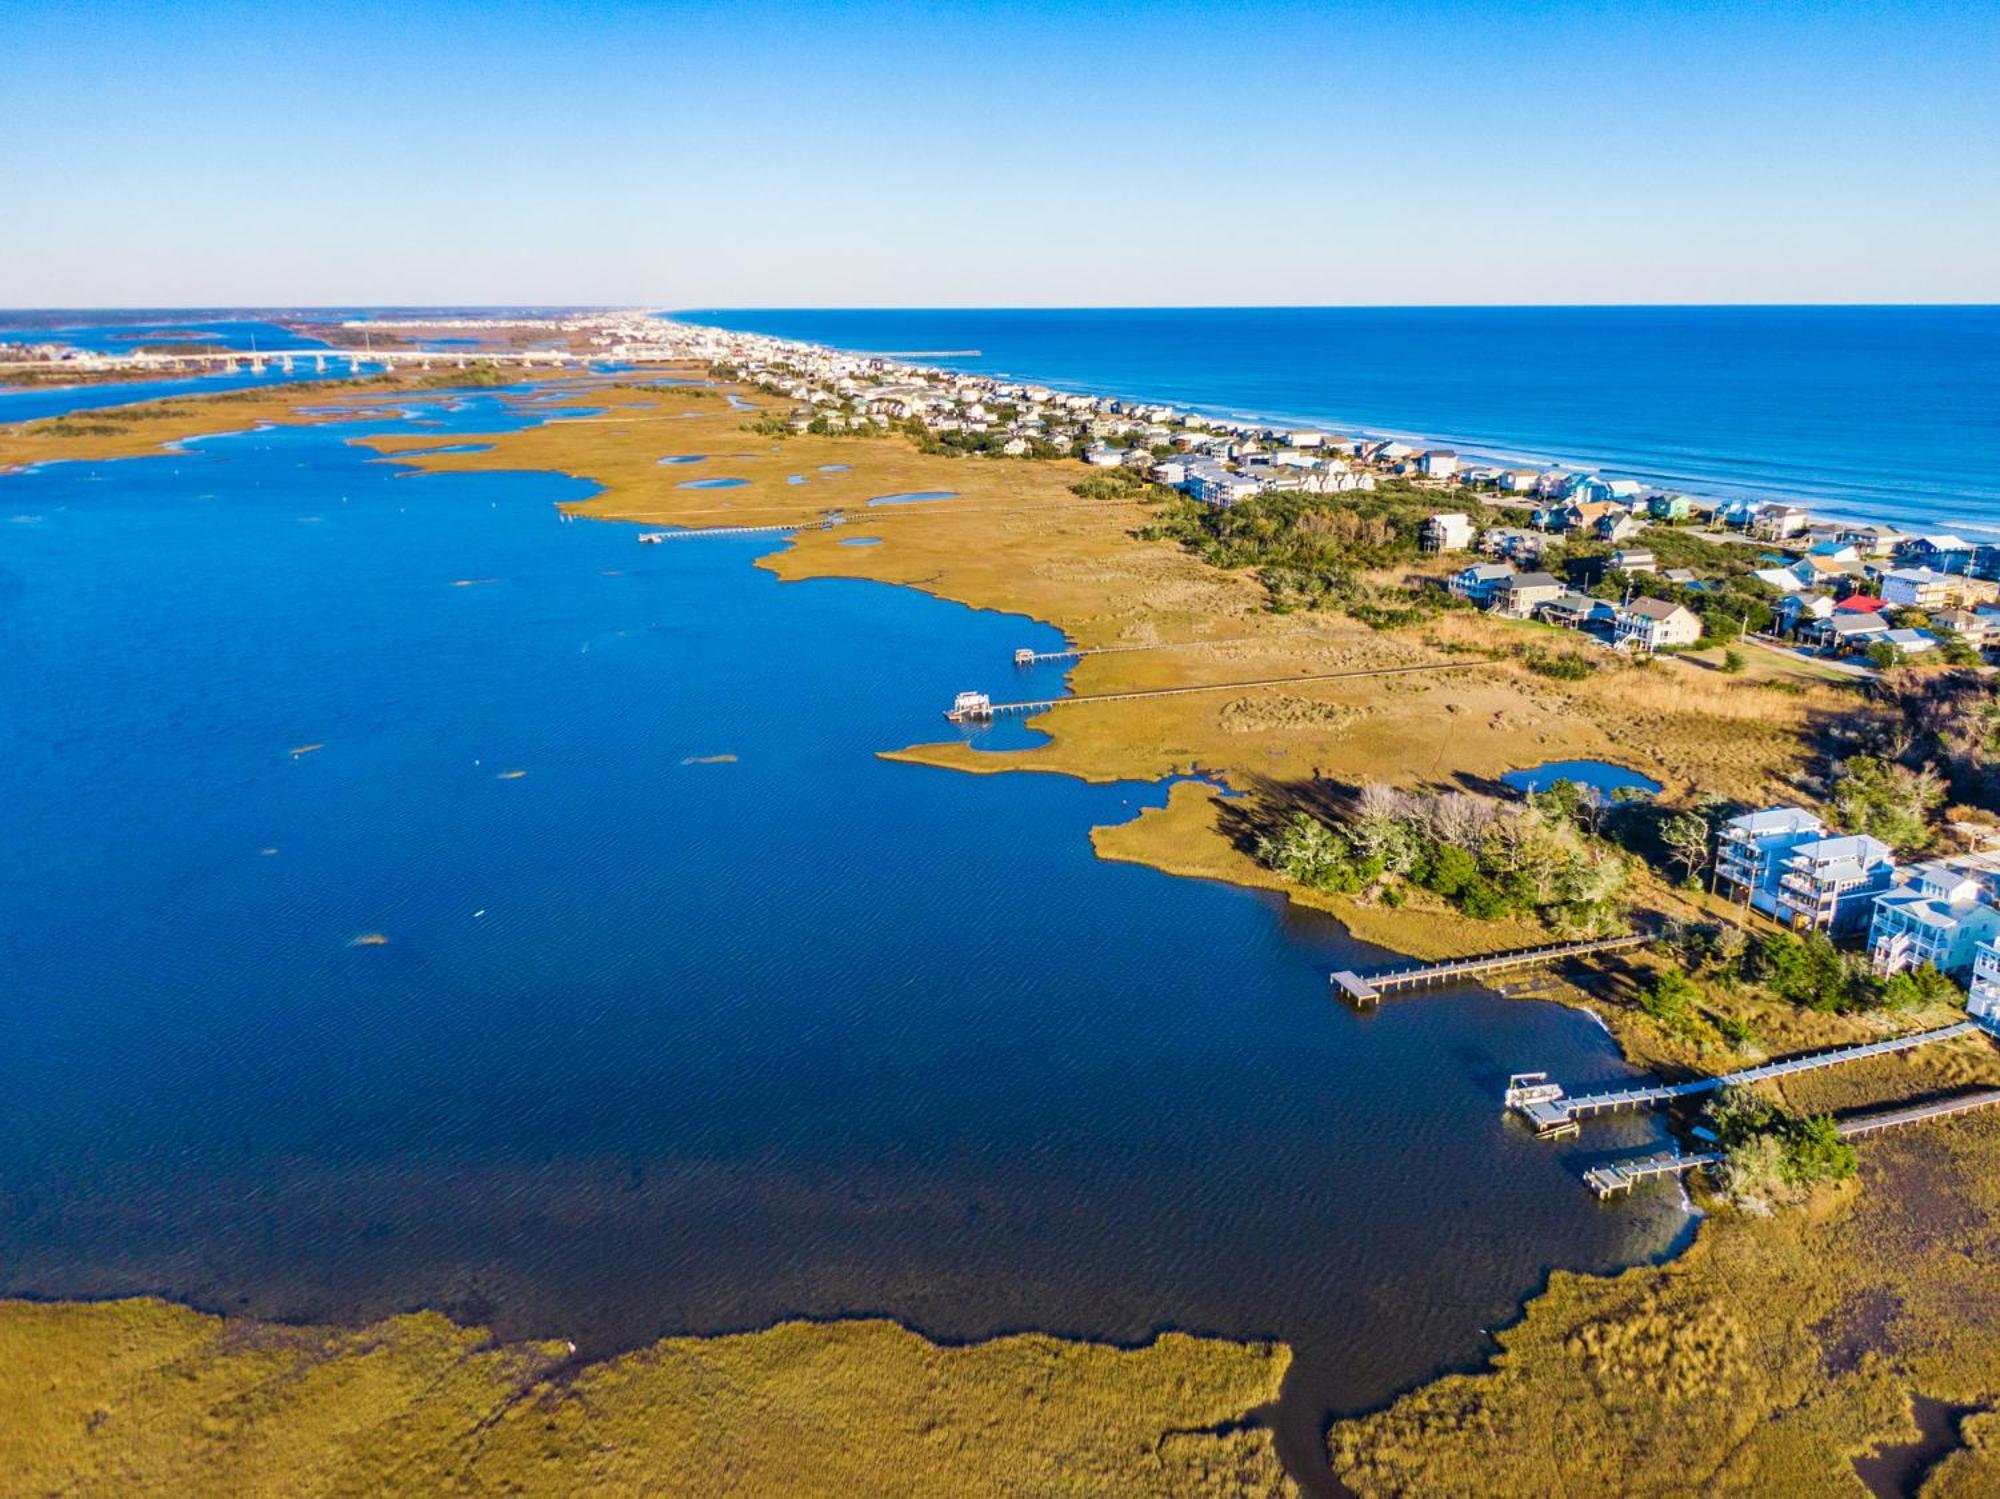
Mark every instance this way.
x=1751 y=849
x=1830 y=884
x=1916 y=588
x=1939 y=913
x=1671 y=508
x=1438 y=463
x=1777 y=522
x=1983 y=1000
x=1649 y=625
x=1450 y=532
x=1873 y=543
x=1480 y=582
x=1519 y=596
x=1941 y=552
x=1634 y=560
x=1795 y=611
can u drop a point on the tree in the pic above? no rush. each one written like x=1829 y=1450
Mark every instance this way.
x=1671 y=999
x=1814 y=1152
x=1877 y=796
x=1686 y=836
x=1885 y=655
x=1733 y=661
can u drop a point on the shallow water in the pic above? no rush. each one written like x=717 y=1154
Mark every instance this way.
x=1603 y=777
x=658 y=1042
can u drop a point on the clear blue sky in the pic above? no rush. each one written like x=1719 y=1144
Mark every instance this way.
x=155 y=152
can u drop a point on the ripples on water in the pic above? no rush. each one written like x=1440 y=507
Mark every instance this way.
x=709 y=1016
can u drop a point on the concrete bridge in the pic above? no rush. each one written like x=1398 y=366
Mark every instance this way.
x=321 y=360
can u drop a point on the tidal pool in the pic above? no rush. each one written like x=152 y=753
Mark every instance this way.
x=1602 y=778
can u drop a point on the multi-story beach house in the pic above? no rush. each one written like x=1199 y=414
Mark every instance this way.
x=1940 y=552
x=1874 y=543
x=1634 y=560
x=1618 y=525
x=1939 y=913
x=1513 y=542
x=1778 y=522
x=1480 y=582
x=1795 y=611
x=1447 y=533
x=1984 y=999
x=1653 y=624
x=1523 y=593
x=1212 y=484
x=1830 y=884
x=1751 y=850
x=1670 y=508
x=1916 y=588
x=1438 y=463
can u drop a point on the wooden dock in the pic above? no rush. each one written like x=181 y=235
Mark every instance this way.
x=696 y=532
x=1611 y=1177
x=1002 y=710
x=1029 y=657
x=1552 y=1114
x=1366 y=989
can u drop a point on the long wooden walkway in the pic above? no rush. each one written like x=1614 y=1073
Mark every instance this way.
x=1551 y=1113
x=1609 y=1177
x=1368 y=989
x=1001 y=710
x=1027 y=657
x=696 y=532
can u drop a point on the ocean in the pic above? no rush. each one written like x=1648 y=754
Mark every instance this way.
x=1882 y=413
x=688 y=1012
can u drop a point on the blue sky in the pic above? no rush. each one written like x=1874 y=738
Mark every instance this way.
x=1046 y=154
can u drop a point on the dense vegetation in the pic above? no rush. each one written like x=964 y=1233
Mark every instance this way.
x=1804 y=970
x=1310 y=550
x=1772 y=1155
x=1489 y=859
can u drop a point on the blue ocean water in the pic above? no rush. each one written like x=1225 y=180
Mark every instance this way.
x=1889 y=413
x=688 y=1012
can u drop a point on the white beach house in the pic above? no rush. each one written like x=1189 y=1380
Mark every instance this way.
x=1938 y=913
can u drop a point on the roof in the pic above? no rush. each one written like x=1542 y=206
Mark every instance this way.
x=1776 y=820
x=1534 y=580
x=1857 y=849
x=1861 y=603
x=1659 y=609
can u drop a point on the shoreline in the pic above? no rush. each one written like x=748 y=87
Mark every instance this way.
x=1493 y=451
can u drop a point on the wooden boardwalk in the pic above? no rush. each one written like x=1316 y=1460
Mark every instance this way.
x=1611 y=1177
x=1001 y=710
x=694 y=533
x=1368 y=989
x=1551 y=1113
x=1028 y=657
